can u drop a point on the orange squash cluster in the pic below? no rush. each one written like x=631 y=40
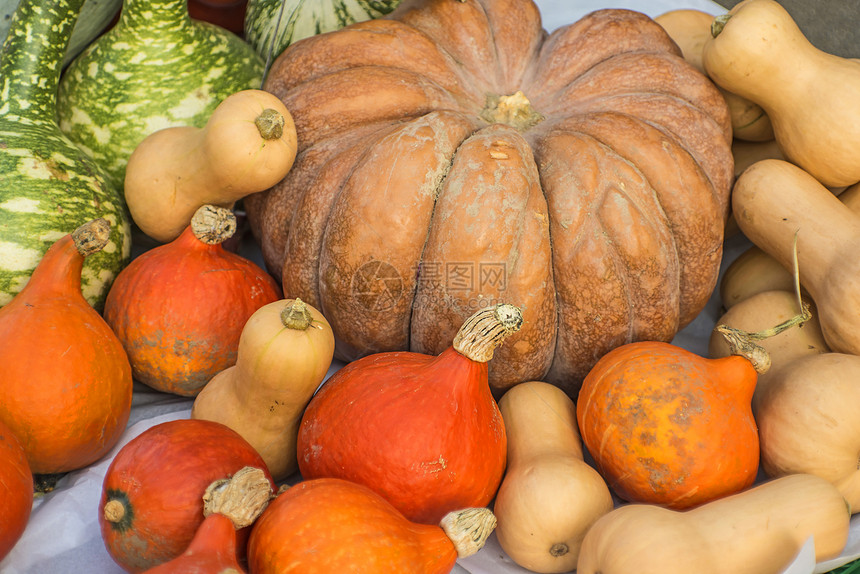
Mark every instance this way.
x=479 y=241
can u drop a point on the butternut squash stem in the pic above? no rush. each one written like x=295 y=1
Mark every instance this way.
x=92 y=236
x=213 y=225
x=741 y=342
x=468 y=529
x=485 y=330
x=241 y=498
x=270 y=124
x=296 y=315
x=719 y=23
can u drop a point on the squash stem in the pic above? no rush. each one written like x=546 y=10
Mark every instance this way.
x=487 y=329
x=719 y=23
x=296 y=315
x=270 y=124
x=241 y=498
x=468 y=529
x=213 y=225
x=92 y=236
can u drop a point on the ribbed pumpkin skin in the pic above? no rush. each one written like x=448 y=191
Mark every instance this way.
x=666 y=426
x=333 y=526
x=179 y=310
x=603 y=220
x=16 y=490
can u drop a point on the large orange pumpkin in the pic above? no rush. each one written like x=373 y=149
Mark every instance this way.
x=455 y=154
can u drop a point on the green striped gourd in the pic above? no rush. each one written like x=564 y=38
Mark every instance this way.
x=95 y=17
x=272 y=25
x=156 y=68
x=48 y=187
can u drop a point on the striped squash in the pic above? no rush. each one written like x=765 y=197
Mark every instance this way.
x=49 y=187
x=95 y=16
x=156 y=68
x=272 y=25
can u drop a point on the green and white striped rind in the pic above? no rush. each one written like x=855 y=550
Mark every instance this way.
x=95 y=17
x=48 y=187
x=270 y=29
x=135 y=80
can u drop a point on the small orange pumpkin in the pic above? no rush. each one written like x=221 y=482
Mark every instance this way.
x=332 y=526
x=666 y=426
x=179 y=309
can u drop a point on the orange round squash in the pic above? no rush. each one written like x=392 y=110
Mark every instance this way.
x=65 y=379
x=454 y=153
x=333 y=526
x=16 y=490
x=666 y=426
x=179 y=308
x=152 y=495
x=422 y=431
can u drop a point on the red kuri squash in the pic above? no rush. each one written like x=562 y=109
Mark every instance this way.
x=152 y=497
x=423 y=431
x=179 y=308
x=65 y=380
x=228 y=505
x=455 y=151
x=333 y=526
x=16 y=490
x=669 y=427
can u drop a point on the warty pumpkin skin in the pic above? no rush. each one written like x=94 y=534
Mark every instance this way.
x=454 y=154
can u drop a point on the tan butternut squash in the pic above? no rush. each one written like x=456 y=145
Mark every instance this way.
x=810 y=102
x=758 y=531
x=285 y=351
x=549 y=496
x=808 y=423
x=690 y=29
x=773 y=201
x=248 y=145
x=761 y=312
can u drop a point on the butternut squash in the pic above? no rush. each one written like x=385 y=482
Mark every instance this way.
x=808 y=421
x=549 y=496
x=690 y=29
x=815 y=125
x=285 y=351
x=758 y=531
x=247 y=145
x=760 y=312
x=773 y=201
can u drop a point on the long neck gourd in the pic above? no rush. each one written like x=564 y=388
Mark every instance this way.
x=49 y=186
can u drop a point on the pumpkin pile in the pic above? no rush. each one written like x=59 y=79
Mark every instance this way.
x=473 y=243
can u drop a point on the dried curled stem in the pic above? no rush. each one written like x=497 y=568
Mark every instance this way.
x=241 y=498
x=468 y=529
x=485 y=330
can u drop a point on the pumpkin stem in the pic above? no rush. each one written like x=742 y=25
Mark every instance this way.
x=487 y=329
x=514 y=110
x=92 y=236
x=213 y=225
x=241 y=498
x=114 y=511
x=296 y=315
x=468 y=529
x=559 y=549
x=719 y=23
x=270 y=123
